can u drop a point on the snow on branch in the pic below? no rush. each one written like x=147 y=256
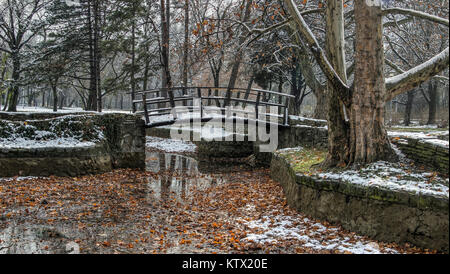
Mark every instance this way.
x=409 y=79
x=416 y=13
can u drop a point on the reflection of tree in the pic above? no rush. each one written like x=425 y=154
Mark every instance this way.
x=170 y=167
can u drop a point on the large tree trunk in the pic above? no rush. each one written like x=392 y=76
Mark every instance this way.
x=321 y=110
x=338 y=127
x=165 y=47
x=186 y=45
x=238 y=57
x=91 y=103
x=133 y=63
x=97 y=54
x=14 y=88
x=368 y=138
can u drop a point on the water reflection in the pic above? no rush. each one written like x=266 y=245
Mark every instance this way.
x=178 y=176
x=20 y=239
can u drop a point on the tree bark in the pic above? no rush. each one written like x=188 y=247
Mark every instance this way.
x=238 y=57
x=321 y=110
x=432 y=103
x=186 y=45
x=14 y=88
x=408 y=109
x=97 y=56
x=368 y=137
x=165 y=47
x=91 y=103
x=133 y=62
x=55 y=98
x=338 y=127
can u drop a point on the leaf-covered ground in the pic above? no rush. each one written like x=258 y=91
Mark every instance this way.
x=175 y=209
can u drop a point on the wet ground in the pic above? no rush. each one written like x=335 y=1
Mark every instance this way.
x=177 y=206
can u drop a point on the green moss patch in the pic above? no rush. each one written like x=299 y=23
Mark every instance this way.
x=304 y=160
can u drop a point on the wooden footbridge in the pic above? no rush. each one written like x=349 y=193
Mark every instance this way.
x=167 y=106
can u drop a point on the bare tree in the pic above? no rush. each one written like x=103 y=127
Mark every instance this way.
x=17 y=28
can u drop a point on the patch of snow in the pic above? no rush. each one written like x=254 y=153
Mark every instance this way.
x=273 y=228
x=392 y=81
x=23 y=135
x=170 y=145
x=437 y=142
x=427 y=137
x=306 y=126
x=59 y=142
x=32 y=110
x=18 y=179
x=402 y=157
x=290 y=149
x=415 y=126
x=392 y=177
x=418 y=135
x=303 y=119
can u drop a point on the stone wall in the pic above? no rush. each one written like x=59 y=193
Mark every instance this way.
x=125 y=137
x=425 y=153
x=54 y=161
x=304 y=136
x=122 y=147
x=30 y=116
x=385 y=215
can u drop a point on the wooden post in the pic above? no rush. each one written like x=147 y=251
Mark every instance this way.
x=258 y=99
x=286 y=112
x=209 y=95
x=144 y=100
x=172 y=102
x=199 y=93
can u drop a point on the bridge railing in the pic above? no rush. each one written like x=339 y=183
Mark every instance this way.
x=163 y=101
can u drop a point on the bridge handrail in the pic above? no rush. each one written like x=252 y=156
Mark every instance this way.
x=218 y=88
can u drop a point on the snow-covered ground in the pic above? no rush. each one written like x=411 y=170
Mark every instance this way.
x=21 y=109
x=170 y=145
x=428 y=137
x=59 y=142
x=24 y=135
x=393 y=177
x=418 y=135
x=275 y=228
x=290 y=150
x=304 y=119
x=306 y=126
x=416 y=126
x=18 y=179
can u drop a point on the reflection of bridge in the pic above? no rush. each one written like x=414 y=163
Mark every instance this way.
x=167 y=106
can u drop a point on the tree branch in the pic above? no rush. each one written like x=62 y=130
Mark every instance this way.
x=418 y=14
x=408 y=80
x=319 y=53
